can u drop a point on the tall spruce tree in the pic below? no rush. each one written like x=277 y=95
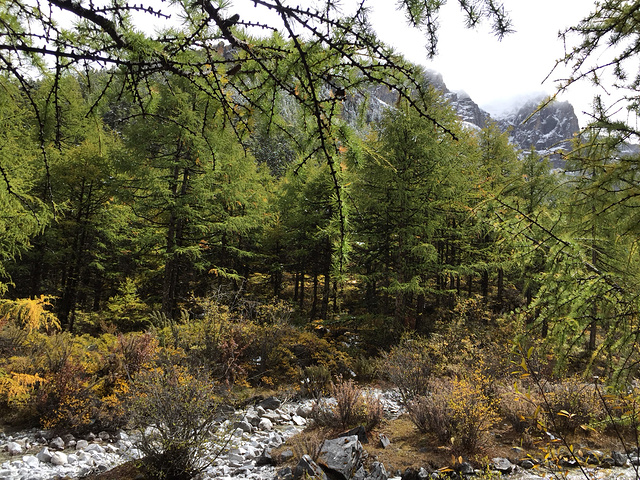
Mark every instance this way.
x=404 y=188
x=197 y=197
x=23 y=211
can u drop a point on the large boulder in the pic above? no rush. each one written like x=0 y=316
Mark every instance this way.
x=59 y=458
x=57 y=444
x=270 y=403
x=14 y=448
x=307 y=468
x=415 y=474
x=360 y=432
x=44 y=455
x=502 y=465
x=378 y=472
x=620 y=459
x=341 y=456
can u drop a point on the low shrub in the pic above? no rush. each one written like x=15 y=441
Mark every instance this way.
x=365 y=368
x=315 y=381
x=570 y=405
x=457 y=411
x=473 y=412
x=349 y=406
x=286 y=352
x=174 y=410
x=408 y=366
x=431 y=413
x=65 y=400
x=347 y=396
x=519 y=407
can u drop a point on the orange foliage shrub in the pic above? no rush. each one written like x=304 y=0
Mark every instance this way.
x=458 y=411
x=64 y=402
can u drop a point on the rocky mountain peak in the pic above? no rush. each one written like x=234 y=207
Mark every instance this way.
x=547 y=130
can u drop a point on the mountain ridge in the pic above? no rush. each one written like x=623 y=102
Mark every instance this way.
x=548 y=130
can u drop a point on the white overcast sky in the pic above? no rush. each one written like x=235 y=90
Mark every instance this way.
x=493 y=72
x=490 y=71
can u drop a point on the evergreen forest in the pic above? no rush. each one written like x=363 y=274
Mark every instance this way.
x=242 y=214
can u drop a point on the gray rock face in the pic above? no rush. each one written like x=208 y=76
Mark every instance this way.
x=360 y=432
x=59 y=458
x=467 y=109
x=306 y=466
x=502 y=465
x=620 y=459
x=270 y=403
x=298 y=420
x=265 y=458
x=243 y=425
x=81 y=444
x=31 y=461
x=14 y=448
x=527 y=464
x=341 y=456
x=265 y=424
x=413 y=474
x=304 y=410
x=44 y=455
x=57 y=443
x=378 y=472
x=466 y=468
x=547 y=131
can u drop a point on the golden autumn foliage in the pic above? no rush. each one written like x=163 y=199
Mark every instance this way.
x=31 y=314
x=17 y=388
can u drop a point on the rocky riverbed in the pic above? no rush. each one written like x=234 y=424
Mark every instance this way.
x=254 y=431
x=39 y=455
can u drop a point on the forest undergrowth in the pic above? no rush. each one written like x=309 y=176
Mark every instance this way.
x=471 y=387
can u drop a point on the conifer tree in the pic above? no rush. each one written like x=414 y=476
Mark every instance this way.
x=22 y=213
x=404 y=190
x=197 y=196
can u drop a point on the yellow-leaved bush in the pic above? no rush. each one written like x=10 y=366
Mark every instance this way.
x=31 y=314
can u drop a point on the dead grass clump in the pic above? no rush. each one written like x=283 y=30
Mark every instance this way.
x=457 y=411
x=308 y=442
x=572 y=404
x=519 y=407
x=349 y=406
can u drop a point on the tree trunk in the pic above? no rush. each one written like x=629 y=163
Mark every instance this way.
x=69 y=297
x=277 y=282
x=326 y=292
x=593 y=328
x=314 y=303
x=500 y=289
x=485 y=285
x=175 y=239
x=399 y=307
